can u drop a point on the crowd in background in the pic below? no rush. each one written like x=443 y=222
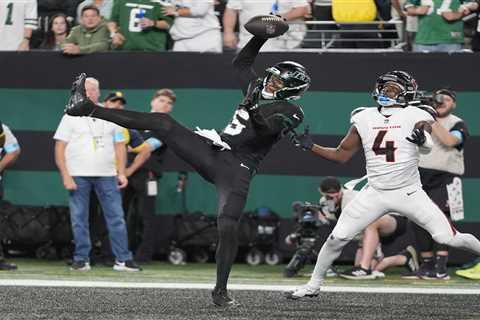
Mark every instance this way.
x=81 y=27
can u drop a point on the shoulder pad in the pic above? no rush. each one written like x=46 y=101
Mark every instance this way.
x=357 y=110
x=429 y=109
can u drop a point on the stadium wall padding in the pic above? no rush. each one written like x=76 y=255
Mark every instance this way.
x=34 y=87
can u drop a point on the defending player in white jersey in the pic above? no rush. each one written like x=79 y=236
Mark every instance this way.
x=392 y=135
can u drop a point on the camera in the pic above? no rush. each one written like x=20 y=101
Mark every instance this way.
x=309 y=218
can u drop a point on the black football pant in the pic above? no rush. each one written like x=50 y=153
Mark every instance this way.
x=221 y=168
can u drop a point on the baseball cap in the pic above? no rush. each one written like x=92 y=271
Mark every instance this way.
x=116 y=95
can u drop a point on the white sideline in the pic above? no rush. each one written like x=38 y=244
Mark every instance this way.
x=112 y=284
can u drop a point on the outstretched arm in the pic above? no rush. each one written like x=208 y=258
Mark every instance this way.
x=243 y=62
x=344 y=152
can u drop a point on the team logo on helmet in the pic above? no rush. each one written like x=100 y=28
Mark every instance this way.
x=294 y=76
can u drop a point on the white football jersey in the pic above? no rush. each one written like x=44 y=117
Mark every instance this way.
x=391 y=160
x=15 y=15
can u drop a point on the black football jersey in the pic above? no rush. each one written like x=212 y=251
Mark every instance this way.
x=252 y=135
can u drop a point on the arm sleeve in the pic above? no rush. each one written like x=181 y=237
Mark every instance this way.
x=243 y=62
x=119 y=134
x=460 y=130
x=154 y=143
x=31 y=20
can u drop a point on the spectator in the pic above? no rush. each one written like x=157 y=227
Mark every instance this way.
x=86 y=151
x=293 y=11
x=58 y=29
x=440 y=26
x=136 y=198
x=9 y=152
x=91 y=36
x=139 y=25
x=476 y=32
x=46 y=10
x=440 y=173
x=409 y=27
x=19 y=18
x=196 y=28
x=370 y=261
x=104 y=6
x=162 y=102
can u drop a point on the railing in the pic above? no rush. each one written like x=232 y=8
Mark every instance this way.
x=374 y=36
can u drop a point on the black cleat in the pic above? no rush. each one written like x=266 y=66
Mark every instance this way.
x=221 y=299
x=78 y=104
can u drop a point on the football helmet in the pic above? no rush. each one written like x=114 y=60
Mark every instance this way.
x=294 y=78
x=406 y=84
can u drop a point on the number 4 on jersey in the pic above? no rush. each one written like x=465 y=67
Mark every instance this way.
x=388 y=150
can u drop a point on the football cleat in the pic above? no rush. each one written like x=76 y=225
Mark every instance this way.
x=302 y=292
x=470 y=273
x=221 y=298
x=357 y=273
x=78 y=104
x=412 y=263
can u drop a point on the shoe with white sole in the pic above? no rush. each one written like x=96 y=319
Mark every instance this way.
x=302 y=292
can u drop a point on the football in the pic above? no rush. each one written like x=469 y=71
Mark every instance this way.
x=266 y=26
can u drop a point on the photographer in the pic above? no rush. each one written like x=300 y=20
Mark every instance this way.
x=310 y=218
x=440 y=173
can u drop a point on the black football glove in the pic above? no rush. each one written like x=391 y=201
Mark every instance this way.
x=417 y=137
x=303 y=141
x=250 y=101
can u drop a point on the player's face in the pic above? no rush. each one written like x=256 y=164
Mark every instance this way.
x=116 y=104
x=162 y=104
x=90 y=19
x=446 y=107
x=274 y=84
x=59 y=25
x=391 y=90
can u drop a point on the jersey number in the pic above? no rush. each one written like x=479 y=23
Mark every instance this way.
x=388 y=150
x=136 y=15
x=8 y=20
x=236 y=127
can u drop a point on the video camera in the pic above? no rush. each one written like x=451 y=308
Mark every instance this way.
x=309 y=218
